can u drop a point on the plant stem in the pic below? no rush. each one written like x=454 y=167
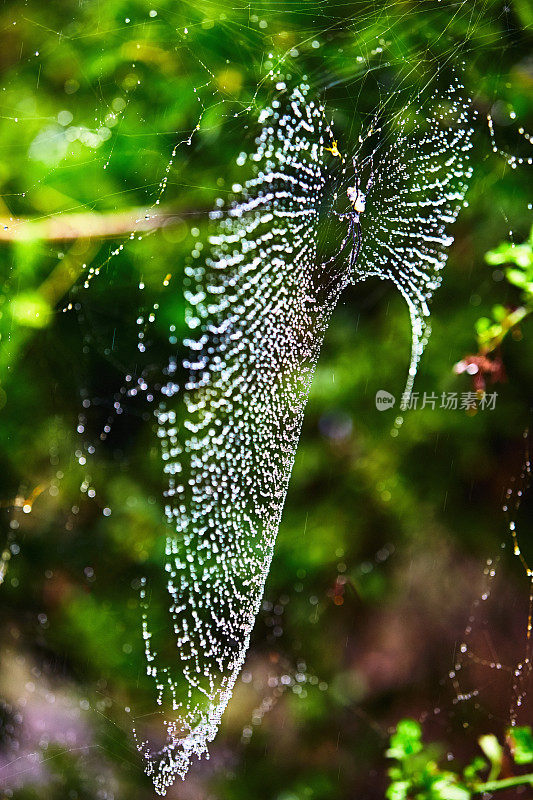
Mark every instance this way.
x=506 y=783
x=511 y=321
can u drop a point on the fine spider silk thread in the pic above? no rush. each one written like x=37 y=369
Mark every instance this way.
x=258 y=307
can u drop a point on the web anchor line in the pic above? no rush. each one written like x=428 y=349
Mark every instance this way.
x=520 y=673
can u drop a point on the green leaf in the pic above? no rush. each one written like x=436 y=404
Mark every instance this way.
x=517 y=277
x=395 y=773
x=507 y=253
x=499 y=312
x=471 y=772
x=500 y=255
x=397 y=790
x=446 y=787
x=522 y=744
x=406 y=740
x=482 y=325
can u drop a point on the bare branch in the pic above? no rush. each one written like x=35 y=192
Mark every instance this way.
x=86 y=225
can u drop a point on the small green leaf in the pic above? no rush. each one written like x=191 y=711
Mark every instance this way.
x=517 y=277
x=471 y=772
x=500 y=255
x=482 y=325
x=406 y=740
x=395 y=773
x=447 y=788
x=507 y=253
x=522 y=744
x=523 y=256
x=397 y=790
x=499 y=312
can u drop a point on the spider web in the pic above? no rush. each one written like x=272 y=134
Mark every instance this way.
x=258 y=311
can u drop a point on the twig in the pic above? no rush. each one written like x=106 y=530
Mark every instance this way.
x=504 y=783
x=86 y=225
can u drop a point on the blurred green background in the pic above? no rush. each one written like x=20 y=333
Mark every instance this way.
x=384 y=542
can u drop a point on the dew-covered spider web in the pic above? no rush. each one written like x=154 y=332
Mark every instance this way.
x=259 y=303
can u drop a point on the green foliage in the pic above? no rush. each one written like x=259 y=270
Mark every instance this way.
x=521 y=255
x=418 y=775
x=491 y=332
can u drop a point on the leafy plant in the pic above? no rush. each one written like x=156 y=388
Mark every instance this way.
x=491 y=331
x=418 y=775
